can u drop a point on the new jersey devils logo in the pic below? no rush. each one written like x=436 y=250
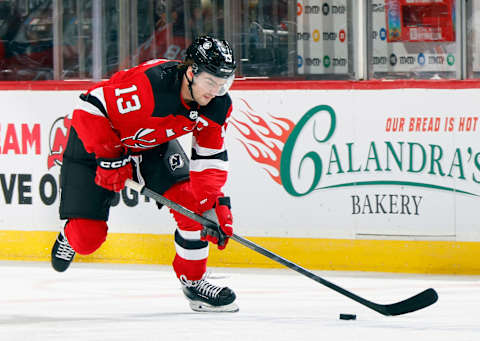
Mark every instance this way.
x=143 y=138
x=58 y=140
x=175 y=161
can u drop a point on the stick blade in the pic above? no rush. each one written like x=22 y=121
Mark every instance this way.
x=414 y=303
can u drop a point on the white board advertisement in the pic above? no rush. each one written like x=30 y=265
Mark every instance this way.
x=321 y=163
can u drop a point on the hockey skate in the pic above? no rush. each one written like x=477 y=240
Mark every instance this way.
x=206 y=297
x=62 y=253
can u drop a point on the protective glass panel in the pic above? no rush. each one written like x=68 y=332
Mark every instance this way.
x=285 y=39
x=265 y=31
x=26 y=51
x=325 y=38
x=413 y=39
x=27 y=39
x=473 y=39
x=77 y=39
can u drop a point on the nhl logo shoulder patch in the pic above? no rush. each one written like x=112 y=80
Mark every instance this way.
x=175 y=161
x=193 y=115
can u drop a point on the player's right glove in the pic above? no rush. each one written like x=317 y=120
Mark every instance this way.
x=112 y=173
x=223 y=230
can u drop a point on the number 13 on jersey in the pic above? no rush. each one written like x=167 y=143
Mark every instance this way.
x=127 y=105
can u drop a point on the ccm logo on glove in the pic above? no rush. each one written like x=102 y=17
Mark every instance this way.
x=112 y=173
x=114 y=163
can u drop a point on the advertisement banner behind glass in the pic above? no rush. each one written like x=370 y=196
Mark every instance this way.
x=322 y=37
x=395 y=55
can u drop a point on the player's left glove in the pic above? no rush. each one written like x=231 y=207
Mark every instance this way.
x=112 y=173
x=222 y=215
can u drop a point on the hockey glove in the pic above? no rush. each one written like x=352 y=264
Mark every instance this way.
x=221 y=214
x=112 y=173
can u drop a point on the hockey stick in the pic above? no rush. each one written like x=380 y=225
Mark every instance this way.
x=414 y=303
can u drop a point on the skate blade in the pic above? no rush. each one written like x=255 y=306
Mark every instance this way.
x=204 y=307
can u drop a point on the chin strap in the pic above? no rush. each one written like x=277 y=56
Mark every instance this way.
x=190 y=82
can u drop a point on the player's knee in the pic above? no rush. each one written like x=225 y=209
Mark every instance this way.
x=86 y=235
x=181 y=193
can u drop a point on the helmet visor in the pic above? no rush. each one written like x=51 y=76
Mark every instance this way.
x=213 y=85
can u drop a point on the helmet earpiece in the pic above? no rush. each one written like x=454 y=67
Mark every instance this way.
x=195 y=68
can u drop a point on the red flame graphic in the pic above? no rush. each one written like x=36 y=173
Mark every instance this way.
x=263 y=138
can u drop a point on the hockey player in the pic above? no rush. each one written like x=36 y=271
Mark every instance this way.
x=127 y=126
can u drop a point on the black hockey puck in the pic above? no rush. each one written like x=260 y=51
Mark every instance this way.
x=348 y=317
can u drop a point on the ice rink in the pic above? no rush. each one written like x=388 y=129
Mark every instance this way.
x=135 y=302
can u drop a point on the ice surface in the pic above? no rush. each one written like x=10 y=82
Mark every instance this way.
x=135 y=302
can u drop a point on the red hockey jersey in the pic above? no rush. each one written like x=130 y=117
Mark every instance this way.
x=141 y=108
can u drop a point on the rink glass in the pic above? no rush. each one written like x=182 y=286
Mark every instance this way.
x=275 y=39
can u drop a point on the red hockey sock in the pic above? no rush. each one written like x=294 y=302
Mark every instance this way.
x=193 y=270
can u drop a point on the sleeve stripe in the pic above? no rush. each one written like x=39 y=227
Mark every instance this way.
x=90 y=108
x=218 y=156
x=203 y=150
x=97 y=101
x=203 y=164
